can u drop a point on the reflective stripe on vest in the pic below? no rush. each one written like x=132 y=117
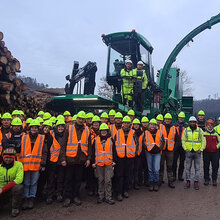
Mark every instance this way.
x=140 y=144
x=54 y=150
x=129 y=146
x=73 y=143
x=193 y=141
x=103 y=152
x=149 y=141
x=31 y=158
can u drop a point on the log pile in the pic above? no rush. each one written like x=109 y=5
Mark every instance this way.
x=14 y=94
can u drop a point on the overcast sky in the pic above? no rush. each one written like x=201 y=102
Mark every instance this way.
x=46 y=36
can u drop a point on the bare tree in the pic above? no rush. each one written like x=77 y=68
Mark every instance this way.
x=104 y=89
x=187 y=83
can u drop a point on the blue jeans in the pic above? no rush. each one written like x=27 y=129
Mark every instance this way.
x=153 y=162
x=30 y=183
x=190 y=157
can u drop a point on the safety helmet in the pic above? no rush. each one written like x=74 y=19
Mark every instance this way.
x=81 y=114
x=89 y=115
x=16 y=122
x=53 y=119
x=96 y=119
x=41 y=120
x=60 y=117
x=159 y=117
x=74 y=118
x=46 y=116
x=168 y=116
x=103 y=126
x=118 y=115
x=48 y=123
x=15 y=112
x=60 y=122
x=192 y=118
x=6 y=116
x=28 y=121
x=104 y=115
x=66 y=113
x=128 y=61
x=126 y=119
x=153 y=121
x=181 y=115
x=9 y=151
x=201 y=112
x=40 y=113
x=112 y=112
x=34 y=122
x=20 y=112
x=144 y=119
x=140 y=63
x=136 y=121
x=131 y=112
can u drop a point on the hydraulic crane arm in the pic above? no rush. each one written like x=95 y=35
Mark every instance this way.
x=164 y=82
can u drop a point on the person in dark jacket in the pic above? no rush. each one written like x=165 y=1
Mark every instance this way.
x=55 y=171
x=75 y=154
x=179 y=152
x=211 y=153
x=201 y=120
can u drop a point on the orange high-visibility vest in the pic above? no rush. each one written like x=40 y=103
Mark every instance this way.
x=162 y=130
x=23 y=124
x=178 y=130
x=8 y=135
x=93 y=136
x=140 y=141
x=1 y=142
x=54 y=149
x=73 y=142
x=149 y=140
x=31 y=158
x=129 y=147
x=113 y=130
x=170 y=141
x=103 y=154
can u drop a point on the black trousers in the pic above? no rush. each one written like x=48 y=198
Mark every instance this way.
x=137 y=169
x=213 y=158
x=143 y=171
x=73 y=180
x=179 y=153
x=91 y=180
x=123 y=171
x=55 y=179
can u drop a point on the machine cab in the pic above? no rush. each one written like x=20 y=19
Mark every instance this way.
x=123 y=46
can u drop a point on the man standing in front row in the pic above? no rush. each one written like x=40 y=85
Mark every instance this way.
x=193 y=142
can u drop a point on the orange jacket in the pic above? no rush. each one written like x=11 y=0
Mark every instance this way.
x=125 y=149
x=73 y=143
x=54 y=149
x=103 y=155
x=149 y=140
x=31 y=158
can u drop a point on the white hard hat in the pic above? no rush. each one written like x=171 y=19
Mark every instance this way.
x=128 y=61
x=219 y=118
x=140 y=63
x=192 y=118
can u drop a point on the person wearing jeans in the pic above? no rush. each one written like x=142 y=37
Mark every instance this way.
x=153 y=144
x=193 y=142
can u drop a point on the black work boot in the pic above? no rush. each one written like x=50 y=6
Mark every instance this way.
x=151 y=187
x=156 y=187
x=31 y=203
x=100 y=200
x=25 y=204
x=125 y=194
x=15 y=212
x=110 y=201
x=77 y=201
x=66 y=203
x=214 y=182
x=171 y=185
x=206 y=183
x=119 y=197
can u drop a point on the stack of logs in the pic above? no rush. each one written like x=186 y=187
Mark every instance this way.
x=14 y=94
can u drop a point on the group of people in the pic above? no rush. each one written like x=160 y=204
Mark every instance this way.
x=50 y=157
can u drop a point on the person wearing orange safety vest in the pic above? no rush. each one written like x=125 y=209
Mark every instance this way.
x=91 y=180
x=170 y=135
x=179 y=152
x=33 y=155
x=153 y=143
x=75 y=155
x=137 y=161
x=117 y=125
x=103 y=164
x=126 y=148
x=55 y=171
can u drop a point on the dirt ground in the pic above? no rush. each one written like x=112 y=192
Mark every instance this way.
x=169 y=204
